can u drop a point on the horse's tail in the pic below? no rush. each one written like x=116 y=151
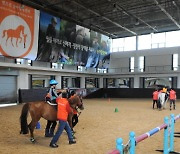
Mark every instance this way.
x=4 y=33
x=23 y=119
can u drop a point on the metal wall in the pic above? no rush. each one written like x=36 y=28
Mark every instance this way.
x=8 y=89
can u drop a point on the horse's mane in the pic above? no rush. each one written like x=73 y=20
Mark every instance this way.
x=74 y=99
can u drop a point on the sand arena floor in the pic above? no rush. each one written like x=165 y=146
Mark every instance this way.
x=97 y=130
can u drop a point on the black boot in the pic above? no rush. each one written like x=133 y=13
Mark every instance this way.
x=51 y=134
x=47 y=134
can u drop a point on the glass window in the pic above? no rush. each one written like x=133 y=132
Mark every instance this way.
x=19 y=61
x=173 y=39
x=132 y=64
x=141 y=64
x=158 y=40
x=118 y=45
x=80 y=68
x=130 y=43
x=54 y=65
x=144 y=42
x=29 y=62
x=175 y=62
x=101 y=70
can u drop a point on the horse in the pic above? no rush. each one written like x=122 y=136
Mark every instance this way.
x=43 y=109
x=14 y=33
x=162 y=99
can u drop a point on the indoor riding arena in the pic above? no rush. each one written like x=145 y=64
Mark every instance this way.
x=119 y=60
x=98 y=128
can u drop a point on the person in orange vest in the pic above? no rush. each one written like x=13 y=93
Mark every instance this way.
x=62 y=114
x=155 y=99
x=172 y=97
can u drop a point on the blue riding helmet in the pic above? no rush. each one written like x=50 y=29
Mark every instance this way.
x=53 y=82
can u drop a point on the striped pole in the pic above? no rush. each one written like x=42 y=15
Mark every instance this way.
x=177 y=117
x=150 y=133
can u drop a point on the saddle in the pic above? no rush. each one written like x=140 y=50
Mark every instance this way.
x=48 y=100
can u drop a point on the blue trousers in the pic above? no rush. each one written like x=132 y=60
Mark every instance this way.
x=62 y=125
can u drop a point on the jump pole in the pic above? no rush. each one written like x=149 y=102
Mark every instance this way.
x=168 y=146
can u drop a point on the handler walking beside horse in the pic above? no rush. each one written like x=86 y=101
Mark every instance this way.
x=42 y=109
x=62 y=114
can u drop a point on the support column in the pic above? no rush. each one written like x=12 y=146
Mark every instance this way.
x=178 y=81
x=46 y=83
x=69 y=82
x=101 y=82
x=23 y=81
x=82 y=82
x=58 y=79
x=136 y=82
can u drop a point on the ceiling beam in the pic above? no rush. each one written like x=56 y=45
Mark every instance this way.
x=107 y=19
x=166 y=13
x=134 y=16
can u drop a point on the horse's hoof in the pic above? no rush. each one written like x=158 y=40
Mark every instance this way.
x=32 y=140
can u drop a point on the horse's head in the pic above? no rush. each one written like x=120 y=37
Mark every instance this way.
x=76 y=101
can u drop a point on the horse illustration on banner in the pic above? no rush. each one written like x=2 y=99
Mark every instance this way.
x=15 y=33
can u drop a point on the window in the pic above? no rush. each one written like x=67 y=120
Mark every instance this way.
x=130 y=43
x=172 y=39
x=29 y=62
x=144 y=42
x=19 y=61
x=118 y=45
x=101 y=70
x=61 y=66
x=80 y=68
x=158 y=40
x=131 y=64
x=175 y=62
x=141 y=64
x=54 y=65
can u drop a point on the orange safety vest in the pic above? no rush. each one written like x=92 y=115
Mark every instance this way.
x=63 y=109
x=155 y=95
x=172 y=94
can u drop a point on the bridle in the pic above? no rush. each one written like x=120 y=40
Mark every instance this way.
x=79 y=105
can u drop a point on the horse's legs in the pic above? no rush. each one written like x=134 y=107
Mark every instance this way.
x=31 y=127
x=7 y=40
x=12 y=41
x=16 y=42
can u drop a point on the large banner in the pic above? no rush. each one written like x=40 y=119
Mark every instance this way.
x=19 y=27
x=49 y=41
x=65 y=42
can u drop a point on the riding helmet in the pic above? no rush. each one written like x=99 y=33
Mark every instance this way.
x=53 y=82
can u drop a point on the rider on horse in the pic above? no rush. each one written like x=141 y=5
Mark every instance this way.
x=51 y=97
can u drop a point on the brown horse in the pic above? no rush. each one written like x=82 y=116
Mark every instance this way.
x=14 y=33
x=43 y=109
